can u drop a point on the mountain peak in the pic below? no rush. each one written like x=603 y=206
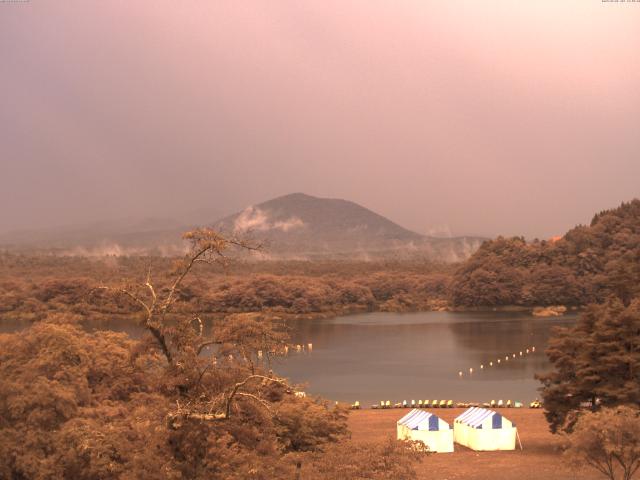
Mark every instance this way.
x=326 y=220
x=296 y=225
x=299 y=224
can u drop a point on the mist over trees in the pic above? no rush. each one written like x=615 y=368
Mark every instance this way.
x=587 y=265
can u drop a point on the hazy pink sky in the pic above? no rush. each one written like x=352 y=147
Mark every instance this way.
x=481 y=117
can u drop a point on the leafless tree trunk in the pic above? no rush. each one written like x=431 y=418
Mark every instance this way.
x=207 y=246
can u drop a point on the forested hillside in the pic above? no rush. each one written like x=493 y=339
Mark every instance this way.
x=586 y=265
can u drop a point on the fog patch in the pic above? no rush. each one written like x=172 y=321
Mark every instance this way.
x=117 y=250
x=255 y=219
x=440 y=231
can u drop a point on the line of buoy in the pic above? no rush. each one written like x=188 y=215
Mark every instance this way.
x=498 y=361
x=299 y=348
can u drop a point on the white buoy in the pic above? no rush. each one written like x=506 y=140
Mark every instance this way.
x=259 y=353
x=481 y=367
x=498 y=360
x=506 y=359
x=527 y=350
x=514 y=355
x=533 y=349
x=460 y=373
x=310 y=346
x=491 y=364
x=520 y=353
x=470 y=370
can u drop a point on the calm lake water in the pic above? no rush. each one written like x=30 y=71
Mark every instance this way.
x=396 y=356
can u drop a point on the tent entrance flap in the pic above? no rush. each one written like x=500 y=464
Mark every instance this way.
x=497 y=421
x=433 y=423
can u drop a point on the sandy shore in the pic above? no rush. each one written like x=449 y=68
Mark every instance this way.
x=540 y=459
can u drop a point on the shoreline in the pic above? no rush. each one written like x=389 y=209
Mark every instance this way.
x=7 y=317
x=497 y=309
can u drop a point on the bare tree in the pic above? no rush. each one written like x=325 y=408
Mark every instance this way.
x=182 y=342
x=207 y=246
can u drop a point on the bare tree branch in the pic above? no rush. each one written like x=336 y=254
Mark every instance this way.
x=200 y=325
x=205 y=243
x=239 y=385
x=264 y=403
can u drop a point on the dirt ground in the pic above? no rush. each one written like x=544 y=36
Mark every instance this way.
x=540 y=458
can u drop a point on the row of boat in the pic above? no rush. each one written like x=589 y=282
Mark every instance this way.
x=447 y=404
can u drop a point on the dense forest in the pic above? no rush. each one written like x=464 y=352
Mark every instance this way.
x=33 y=288
x=587 y=265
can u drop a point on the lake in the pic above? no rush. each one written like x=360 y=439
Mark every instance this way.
x=396 y=356
x=403 y=356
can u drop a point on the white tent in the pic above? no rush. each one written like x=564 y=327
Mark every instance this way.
x=482 y=429
x=428 y=428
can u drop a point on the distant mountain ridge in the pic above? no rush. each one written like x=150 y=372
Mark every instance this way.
x=296 y=225
x=298 y=217
x=300 y=224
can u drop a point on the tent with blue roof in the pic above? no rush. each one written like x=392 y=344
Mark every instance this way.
x=483 y=429
x=421 y=425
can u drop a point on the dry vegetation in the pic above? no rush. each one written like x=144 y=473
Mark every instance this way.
x=35 y=287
